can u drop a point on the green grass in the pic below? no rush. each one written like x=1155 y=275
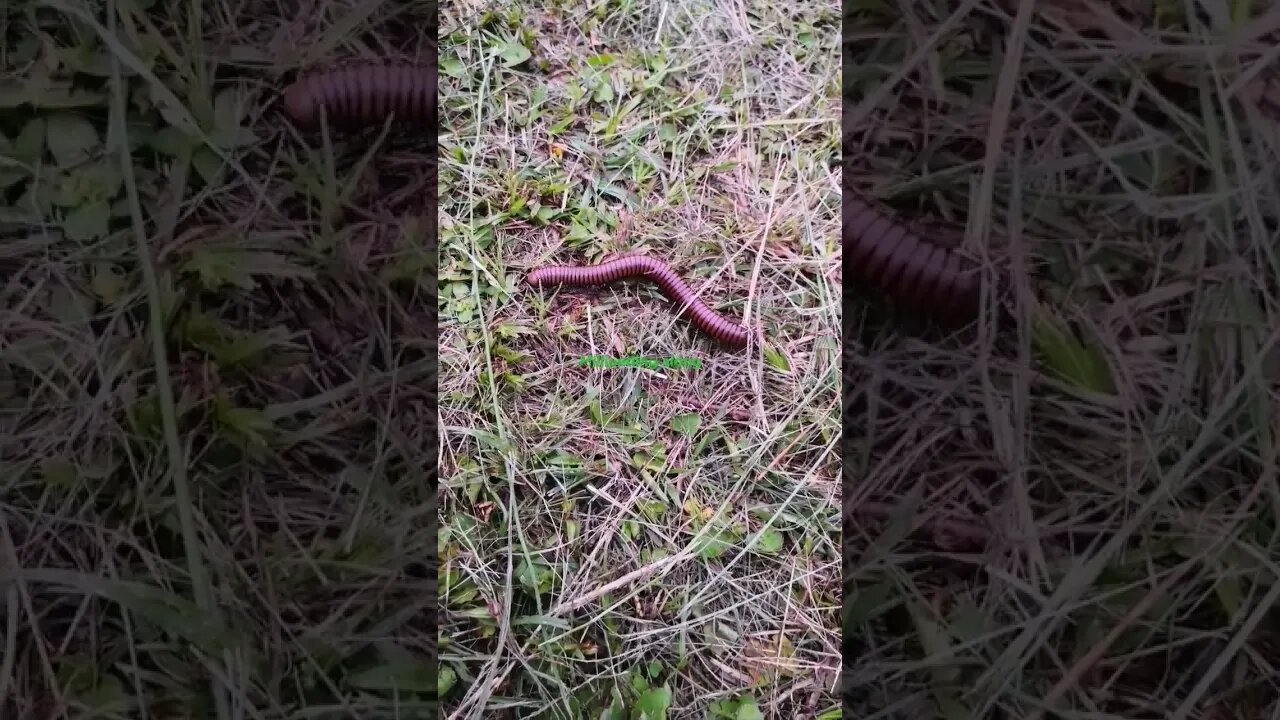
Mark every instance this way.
x=215 y=397
x=1075 y=517
x=628 y=540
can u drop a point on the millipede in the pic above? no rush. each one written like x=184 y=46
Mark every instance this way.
x=909 y=270
x=363 y=94
x=660 y=273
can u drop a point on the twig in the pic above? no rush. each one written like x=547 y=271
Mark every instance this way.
x=633 y=576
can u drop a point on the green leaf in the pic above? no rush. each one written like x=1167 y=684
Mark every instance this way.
x=448 y=678
x=769 y=542
x=30 y=142
x=251 y=424
x=652 y=704
x=715 y=541
x=652 y=509
x=99 y=695
x=171 y=141
x=109 y=282
x=513 y=52
x=106 y=700
x=76 y=674
x=604 y=92
x=452 y=67
x=748 y=710
x=229 y=110
x=88 y=222
x=217 y=267
x=46 y=94
x=723 y=709
x=967 y=622
x=901 y=520
x=207 y=164
x=86 y=185
x=630 y=530
x=1068 y=358
x=617 y=709
x=864 y=604
x=71 y=138
x=99 y=181
x=776 y=360
x=228 y=346
x=402 y=676
x=686 y=424
x=936 y=645
x=534 y=576
x=654 y=461
x=171 y=613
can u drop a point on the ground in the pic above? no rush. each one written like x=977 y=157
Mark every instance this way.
x=631 y=540
x=1072 y=514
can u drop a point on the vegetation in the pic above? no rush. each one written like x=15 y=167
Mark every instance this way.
x=216 y=405
x=627 y=542
x=1074 y=515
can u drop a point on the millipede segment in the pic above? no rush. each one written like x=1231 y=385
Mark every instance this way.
x=364 y=94
x=908 y=269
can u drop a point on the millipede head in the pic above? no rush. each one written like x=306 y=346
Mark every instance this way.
x=300 y=104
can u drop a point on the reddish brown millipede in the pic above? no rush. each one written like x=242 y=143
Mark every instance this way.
x=364 y=94
x=906 y=268
x=671 y=284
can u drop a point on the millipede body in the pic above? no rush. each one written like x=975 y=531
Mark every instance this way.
x=908 y=269
x=364 y=94
x=671 y=284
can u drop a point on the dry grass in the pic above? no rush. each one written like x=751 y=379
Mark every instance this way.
x=629 y=540
x=1076 y=516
